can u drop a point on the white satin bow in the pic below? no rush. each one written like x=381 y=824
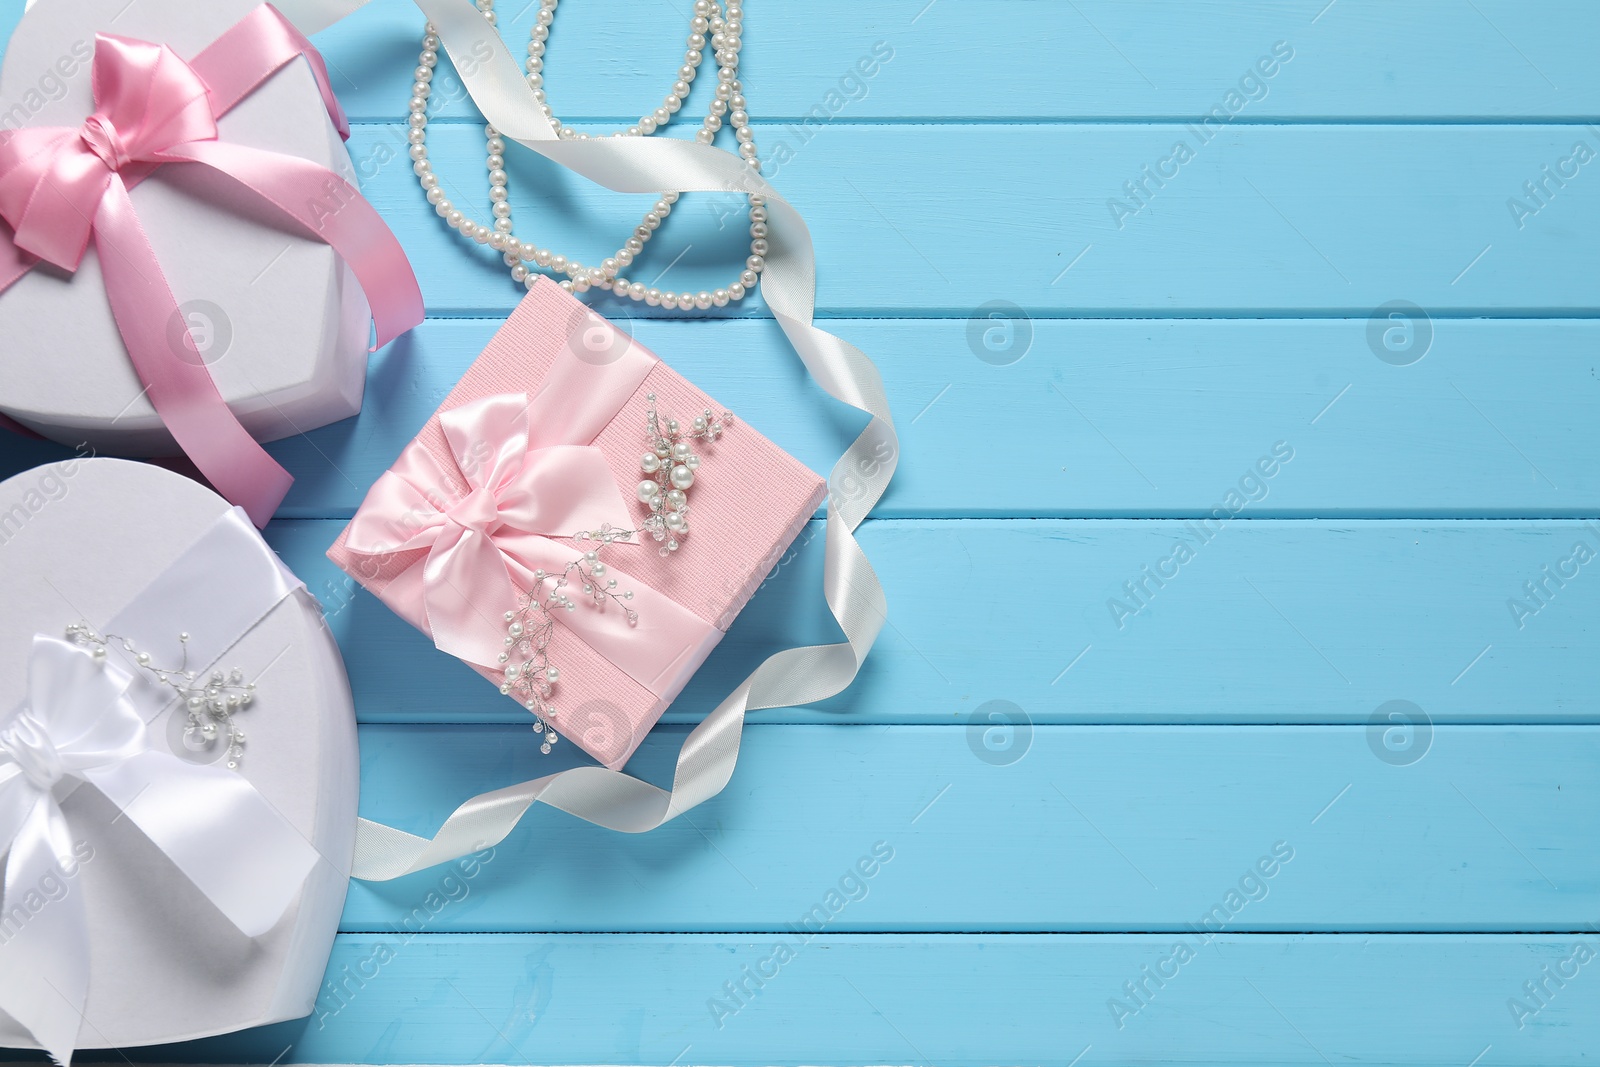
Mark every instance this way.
x=84 y=720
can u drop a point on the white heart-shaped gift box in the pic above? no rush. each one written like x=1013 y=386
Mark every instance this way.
x=79 y=542
x=277 y=315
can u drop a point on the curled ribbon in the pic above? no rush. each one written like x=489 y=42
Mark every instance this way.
x=486 y=516
x=855 y=596
x=85 y=720
x=61 y=186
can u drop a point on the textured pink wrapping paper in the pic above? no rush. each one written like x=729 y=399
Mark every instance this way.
x=749 y=502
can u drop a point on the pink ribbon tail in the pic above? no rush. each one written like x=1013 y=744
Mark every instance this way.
x=176 y=378
x=251 y=51
x=334 y=212
x=14 y=262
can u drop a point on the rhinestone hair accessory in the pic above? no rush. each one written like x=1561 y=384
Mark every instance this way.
x=670 y=464
x=210 y=702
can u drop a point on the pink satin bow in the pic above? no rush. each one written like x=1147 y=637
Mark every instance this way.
x=60 y=186
x=514 y=499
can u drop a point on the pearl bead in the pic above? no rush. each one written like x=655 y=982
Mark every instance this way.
x=649 y=463
x=680 y=451
x=693 y=463
x=598 y=570
x=676 y=498
x=551 y=674
x=682 y=477
x=648 y=491
x=674 y=521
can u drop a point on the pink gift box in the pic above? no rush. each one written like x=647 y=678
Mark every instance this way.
x=749 y=501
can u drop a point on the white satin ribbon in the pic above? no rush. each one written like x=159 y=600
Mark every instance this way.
x=792 y=677
x=86 y=722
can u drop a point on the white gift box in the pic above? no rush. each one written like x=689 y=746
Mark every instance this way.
x=79 y=541
x=278 y=317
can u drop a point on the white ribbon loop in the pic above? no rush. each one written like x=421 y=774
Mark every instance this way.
x=83 y=721
x=854 y=594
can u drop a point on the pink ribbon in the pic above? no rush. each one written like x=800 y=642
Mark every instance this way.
x=486 y=517
x=60 y=186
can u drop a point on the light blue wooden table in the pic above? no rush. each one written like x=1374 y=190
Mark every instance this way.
x=1193 y=828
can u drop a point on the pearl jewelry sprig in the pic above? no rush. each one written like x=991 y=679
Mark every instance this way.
x=670 y=465
x=210 y=702
x=723 y=20
x=529 y=674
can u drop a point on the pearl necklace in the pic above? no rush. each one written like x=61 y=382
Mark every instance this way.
x=723 y=19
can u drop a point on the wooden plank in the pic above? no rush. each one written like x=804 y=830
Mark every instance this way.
x=1142 y=829
x=965 y=1001
x=1262 y=221
x=1108 y=417
x=1091 y=60
x=1271 y=621
x=1097 y=418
